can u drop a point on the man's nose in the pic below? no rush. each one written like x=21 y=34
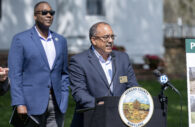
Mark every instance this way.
x=110 y=39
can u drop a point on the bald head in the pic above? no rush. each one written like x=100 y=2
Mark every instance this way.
x=94 y=29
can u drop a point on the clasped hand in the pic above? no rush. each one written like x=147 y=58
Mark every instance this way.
x=3 y=74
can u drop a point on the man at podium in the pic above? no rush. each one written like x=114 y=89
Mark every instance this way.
x=99 y=71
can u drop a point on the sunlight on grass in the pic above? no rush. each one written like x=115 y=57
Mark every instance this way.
x=193 y=117
x=178 y=107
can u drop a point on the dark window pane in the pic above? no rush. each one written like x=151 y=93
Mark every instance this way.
x=95 y=7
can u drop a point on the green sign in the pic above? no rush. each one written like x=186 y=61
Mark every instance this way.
x=190 y=45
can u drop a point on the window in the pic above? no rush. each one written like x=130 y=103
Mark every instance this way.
x=95 y=7
x=0 y=8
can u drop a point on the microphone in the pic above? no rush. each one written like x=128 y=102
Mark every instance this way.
x=113 y=55
x=163 y=79
x=157 y=73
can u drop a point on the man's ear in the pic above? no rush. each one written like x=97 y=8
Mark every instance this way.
x=35 y=17
x=93 y=41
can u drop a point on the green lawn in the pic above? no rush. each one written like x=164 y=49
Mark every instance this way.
x=152 y=86
x=173 y=117
x=193 y=117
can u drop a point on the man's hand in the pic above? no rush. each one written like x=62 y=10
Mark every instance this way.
x=3 y=74
x=22 y=112
x=21 y=109
x=101 y=103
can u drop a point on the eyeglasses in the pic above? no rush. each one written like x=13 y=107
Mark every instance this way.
x=106 y=37
x=45 y=12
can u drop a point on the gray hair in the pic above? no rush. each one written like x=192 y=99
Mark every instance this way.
x=93 y=29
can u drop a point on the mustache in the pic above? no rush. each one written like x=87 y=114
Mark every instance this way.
x=109 y=44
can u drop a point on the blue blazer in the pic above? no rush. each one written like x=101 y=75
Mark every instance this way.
x=30 y=75
x=88 y=80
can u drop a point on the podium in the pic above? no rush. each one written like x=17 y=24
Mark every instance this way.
x=107 y=115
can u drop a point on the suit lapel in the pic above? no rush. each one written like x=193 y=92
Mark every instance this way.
x=114 y=70
x=37 y=41
x=57 y=47
x=96 y=64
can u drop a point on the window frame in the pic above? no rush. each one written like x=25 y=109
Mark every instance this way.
x=100 y=8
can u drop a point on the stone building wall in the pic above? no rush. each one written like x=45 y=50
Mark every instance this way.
x=179 y=8
x=175 y=57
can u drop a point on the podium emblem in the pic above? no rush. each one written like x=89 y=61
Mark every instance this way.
x=136 y=107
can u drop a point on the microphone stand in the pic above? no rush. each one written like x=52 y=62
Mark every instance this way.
x=163 y=100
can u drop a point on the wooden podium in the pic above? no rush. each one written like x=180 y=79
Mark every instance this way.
x=107 y=115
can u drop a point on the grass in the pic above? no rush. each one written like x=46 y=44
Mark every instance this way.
x=173 y=117
x=193 y=117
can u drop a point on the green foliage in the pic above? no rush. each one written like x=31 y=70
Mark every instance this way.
x=5 y=110
x=152 y=86
x=144 y=107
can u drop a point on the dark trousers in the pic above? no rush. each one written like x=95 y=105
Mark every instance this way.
x=52 y=117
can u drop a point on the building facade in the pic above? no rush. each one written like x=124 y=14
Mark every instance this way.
x=138 y=24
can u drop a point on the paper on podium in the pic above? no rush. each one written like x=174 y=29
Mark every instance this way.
x=16 y=121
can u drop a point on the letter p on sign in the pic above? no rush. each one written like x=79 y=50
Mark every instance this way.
x=192 y=45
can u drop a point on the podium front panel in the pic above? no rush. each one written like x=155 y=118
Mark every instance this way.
x=107 y=115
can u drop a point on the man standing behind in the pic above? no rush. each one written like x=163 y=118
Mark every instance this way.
x=99 y=71
x=38 y=70
x=4 y=86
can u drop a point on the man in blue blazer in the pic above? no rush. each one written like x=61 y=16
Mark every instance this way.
x=99 y=71
x=38 y=70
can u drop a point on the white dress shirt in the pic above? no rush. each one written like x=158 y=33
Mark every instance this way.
x=107 y=67
x=49 y=48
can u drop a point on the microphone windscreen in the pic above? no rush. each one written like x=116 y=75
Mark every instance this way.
x=157 y=73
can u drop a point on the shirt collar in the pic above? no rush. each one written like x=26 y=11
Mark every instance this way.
x=41 y=37
x=100 y=57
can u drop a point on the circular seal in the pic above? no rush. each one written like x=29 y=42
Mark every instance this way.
x=136 y=107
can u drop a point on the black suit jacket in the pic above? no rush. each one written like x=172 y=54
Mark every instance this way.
x=4 y=87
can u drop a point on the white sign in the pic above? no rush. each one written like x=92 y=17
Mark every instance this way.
x=190 y=60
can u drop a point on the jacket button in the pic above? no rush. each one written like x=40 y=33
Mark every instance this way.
x=48 y=86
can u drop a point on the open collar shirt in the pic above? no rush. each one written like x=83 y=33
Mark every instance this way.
x=49 y=47
x=107 y=67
